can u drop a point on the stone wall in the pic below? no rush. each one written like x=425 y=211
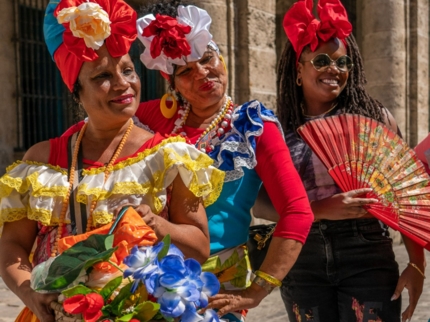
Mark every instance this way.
x=395 y=48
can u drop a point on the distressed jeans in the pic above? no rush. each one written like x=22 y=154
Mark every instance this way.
x=345 y=272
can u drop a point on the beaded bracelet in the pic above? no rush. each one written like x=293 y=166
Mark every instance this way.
x=268 y=287
x=417 y=268
x=269 y=278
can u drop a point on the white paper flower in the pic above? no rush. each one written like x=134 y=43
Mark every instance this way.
x=88 y=21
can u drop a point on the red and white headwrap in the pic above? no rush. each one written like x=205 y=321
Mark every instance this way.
x=75 y=29
x=172 y=41
x=303 y=29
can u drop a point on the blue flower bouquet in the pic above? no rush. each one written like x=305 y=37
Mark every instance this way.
x=152 y=282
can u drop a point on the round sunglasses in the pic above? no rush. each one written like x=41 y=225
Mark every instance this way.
x=323 y=61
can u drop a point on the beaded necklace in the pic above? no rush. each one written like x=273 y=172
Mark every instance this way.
x=220 y=125
x=107 y=172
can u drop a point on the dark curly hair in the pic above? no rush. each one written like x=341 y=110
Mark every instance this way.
x=353 y=99
x=162 y=7
x=78 y=113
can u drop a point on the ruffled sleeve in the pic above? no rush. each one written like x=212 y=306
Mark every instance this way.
x=145 y=178
x=37 y=191
x=34 y=191
x=237 y=148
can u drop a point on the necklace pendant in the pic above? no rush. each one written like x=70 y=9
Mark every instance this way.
x=204 y=142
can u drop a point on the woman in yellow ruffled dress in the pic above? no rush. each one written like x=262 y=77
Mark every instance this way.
x=77 y=182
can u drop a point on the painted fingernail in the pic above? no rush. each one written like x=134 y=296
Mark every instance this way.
x=393 y=297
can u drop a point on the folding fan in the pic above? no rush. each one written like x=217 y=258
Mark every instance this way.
x=360 y=152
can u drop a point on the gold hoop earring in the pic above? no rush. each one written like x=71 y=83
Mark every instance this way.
x=299 y=81
x=167 y=112
x=221 y=58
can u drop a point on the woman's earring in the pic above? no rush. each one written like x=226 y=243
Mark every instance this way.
x=167 y=112
x=298 y=81
x=221 y=58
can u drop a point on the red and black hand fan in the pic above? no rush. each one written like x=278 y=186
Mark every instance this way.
x=360 y=152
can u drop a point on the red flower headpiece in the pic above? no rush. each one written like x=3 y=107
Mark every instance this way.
x=172 y=41
x=169 y=37
x=74 y=50
x=303 y=29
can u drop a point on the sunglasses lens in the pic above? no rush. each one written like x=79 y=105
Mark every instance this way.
x=344 y=63
x=321 y=61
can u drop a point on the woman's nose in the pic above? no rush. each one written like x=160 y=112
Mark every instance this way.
x=202 y=72
x=332 y=68
x=121 y=81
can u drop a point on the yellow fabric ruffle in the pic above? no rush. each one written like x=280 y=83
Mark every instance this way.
x=130 y=161
x=36 y=191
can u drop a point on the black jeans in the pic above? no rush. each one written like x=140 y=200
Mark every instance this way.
x=346 y=271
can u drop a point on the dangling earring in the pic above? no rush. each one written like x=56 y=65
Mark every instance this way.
x=167 y=112
x=221 y=58
x=298 y=81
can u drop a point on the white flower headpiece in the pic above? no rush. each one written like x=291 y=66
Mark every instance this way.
x=192 y=23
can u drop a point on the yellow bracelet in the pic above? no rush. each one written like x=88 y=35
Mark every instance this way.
x=417 y=268
x=269 y=278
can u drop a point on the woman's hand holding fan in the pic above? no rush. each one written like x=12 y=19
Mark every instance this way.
x=360 y=152
x=345 y=205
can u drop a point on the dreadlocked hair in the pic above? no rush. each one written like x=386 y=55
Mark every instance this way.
x=353 y=99
x=162 y=7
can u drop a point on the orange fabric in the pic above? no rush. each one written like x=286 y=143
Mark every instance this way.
x=131 y=231
x=26 y=316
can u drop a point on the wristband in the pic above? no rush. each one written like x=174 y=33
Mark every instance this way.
x=268 y=287
x=269 y=278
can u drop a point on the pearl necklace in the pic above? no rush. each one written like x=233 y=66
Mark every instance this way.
x=220 y=125
x=107 y=172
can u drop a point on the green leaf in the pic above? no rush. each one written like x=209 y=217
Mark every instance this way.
x=81 y=256
x=118 y=301
x=146 y=311
x=126 y=318
x=110 y=287
x=78 y=289
x=163 y=252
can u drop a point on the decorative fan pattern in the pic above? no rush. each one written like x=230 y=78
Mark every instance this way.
x=360 y=152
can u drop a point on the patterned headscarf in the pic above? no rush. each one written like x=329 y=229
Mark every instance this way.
x=75 y=29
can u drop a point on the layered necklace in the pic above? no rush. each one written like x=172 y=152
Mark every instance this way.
x=211 y=135
x=108 y=170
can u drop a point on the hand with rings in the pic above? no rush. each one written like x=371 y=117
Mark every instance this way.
x=346 y=205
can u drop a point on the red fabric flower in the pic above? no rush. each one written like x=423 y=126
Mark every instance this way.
x=89 y=306
x=303 y=29
x=123 y=33
x=169 y=37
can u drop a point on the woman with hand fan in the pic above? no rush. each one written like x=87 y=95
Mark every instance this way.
x=346 y=270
